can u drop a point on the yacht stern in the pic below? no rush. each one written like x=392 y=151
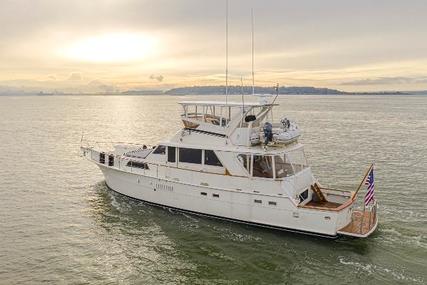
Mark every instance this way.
x=363 y=223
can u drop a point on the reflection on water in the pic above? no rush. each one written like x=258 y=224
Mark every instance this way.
x=60 y=223
x=204 y=244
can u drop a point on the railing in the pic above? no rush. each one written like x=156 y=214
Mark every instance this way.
x=371 y=218
x=92 y=144
x=120 y=162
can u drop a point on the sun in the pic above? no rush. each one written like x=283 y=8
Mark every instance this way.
x=117 y=47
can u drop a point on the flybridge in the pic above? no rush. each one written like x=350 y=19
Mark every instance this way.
x=244 y=124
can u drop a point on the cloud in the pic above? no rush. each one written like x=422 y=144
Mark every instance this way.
x=159 y=78
x=321 y=43
x=386 y=80
x=75 y=76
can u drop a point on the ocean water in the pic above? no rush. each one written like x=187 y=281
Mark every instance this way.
x=59 y=223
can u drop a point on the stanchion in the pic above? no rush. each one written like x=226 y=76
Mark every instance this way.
x=363 y=216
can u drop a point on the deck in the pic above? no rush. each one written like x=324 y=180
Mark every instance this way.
x=320 y=204
x=362 y=225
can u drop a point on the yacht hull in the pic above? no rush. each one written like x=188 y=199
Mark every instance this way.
x=222 y=204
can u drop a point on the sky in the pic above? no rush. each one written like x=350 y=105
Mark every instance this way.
x=118 y=45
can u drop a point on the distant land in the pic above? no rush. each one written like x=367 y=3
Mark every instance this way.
x=220 y=90
x=237 y=90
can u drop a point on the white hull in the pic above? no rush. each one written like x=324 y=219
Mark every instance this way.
x=231 y=205
x=211 y=167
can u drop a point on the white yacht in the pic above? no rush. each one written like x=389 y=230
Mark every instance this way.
x=229 y=161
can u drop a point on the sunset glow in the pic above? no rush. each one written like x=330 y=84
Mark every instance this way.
x=119 y=47
x=346 y=45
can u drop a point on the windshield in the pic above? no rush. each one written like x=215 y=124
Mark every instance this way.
x=290 y=163
x=286 y=164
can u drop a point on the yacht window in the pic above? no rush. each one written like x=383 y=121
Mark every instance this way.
x=297 y=159
x=211 y=158
x=283 y=166
x=101 y=157
x=161 y=149
x=263 y=166
x=224 y=122
x=111 y=160
x=137 y=164
x=171 y=154
x=245 y=160
x=303 y=196
x=190 y=155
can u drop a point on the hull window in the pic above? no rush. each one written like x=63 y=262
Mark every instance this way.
x=211 y=158
x=111 y=160
x=190 y=155
x=215 y=195
x=258 y=201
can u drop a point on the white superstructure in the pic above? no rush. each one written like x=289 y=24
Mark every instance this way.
x=231 y=161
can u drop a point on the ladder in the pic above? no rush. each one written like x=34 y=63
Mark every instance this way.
x=316 y=189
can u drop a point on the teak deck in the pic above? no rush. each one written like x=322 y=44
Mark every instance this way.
x=359 y=225
x=326 y=204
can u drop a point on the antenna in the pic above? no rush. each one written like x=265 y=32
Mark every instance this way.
x=226 y=52
x=253 y=51
x=277 y=93
x=243 y=94
x=243 y=98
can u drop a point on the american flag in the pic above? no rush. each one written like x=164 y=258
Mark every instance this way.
x=370 y=195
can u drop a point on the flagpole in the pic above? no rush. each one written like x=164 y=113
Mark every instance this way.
x=226 y=52
x=253 y=51
x=362 y=220
x=363 y=181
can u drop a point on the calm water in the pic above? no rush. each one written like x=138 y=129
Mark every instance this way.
x=59 y=224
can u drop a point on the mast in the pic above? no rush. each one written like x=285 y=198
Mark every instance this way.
x=226 y=52
x=253 y=51
x=242 y=91
x=243 y=94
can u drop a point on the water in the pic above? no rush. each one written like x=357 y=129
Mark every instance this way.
x=60 y=224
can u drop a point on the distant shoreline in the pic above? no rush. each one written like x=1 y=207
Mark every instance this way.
x=231 y=95
x=217 y=90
